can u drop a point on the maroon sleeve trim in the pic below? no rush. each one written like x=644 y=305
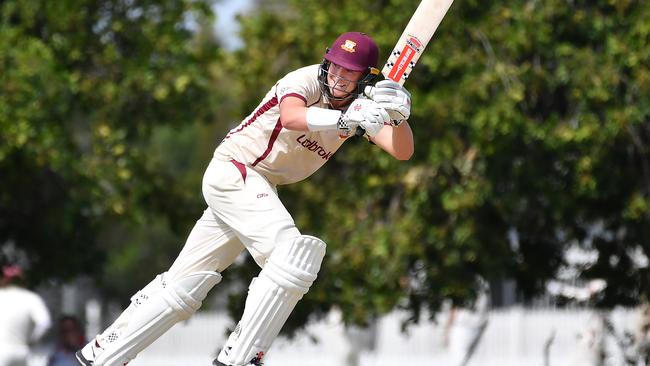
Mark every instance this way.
x=260 y=111
x=295 y=95
x=274 y=136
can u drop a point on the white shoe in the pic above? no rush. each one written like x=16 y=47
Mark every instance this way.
x=86 y=356
x=256 y=361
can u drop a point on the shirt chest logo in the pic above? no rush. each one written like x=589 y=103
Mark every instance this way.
x=314 y=147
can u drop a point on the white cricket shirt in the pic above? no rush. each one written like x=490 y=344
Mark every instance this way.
x=23 y=317
x=282 y=156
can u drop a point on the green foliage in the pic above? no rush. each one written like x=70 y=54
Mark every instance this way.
x=84 y=84
x=530 y=119
x=531 y=124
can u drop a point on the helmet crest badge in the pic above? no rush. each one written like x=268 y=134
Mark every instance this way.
x=349 y=45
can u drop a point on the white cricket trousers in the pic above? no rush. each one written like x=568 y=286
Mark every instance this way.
x=244 y=211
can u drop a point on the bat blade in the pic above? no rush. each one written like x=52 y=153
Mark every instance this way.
x=414 y=39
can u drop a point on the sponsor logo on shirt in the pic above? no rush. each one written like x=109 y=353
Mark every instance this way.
x=314 y=147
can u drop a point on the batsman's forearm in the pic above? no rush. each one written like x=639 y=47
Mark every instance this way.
x=293 y=118
x=403 y=141
x=300 y=118
x=397 y=141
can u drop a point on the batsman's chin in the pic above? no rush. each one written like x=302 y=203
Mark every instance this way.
x=344 y=98
x=341 y=103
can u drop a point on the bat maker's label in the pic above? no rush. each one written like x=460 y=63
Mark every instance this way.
x=402 y=63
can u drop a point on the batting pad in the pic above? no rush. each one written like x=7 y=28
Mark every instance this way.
x=154 y=313
x=286 y=277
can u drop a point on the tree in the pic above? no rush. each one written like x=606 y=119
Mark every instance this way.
x=531 y=124
x=84 y=85
x=531 y=134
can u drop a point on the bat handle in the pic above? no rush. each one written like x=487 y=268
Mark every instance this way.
x=359 y=132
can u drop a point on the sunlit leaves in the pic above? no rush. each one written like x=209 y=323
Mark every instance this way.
x=82 y=85
x=523 y=115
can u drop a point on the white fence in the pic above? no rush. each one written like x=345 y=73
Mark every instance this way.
x=513 y=337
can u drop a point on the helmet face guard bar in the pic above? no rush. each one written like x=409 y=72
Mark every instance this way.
x=369 y=78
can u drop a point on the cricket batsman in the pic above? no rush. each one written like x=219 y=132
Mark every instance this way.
x=297 y=127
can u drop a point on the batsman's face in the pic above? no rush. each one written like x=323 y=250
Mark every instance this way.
x=342 y=81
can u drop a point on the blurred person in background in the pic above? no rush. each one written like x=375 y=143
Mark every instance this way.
x=590 y=344
x=466 y=325
x=71 y=338
x=24 y=318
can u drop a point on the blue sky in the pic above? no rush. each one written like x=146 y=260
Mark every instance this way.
x=226 y=11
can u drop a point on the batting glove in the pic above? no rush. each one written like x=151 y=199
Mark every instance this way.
x=393 y=97
x=365 y=113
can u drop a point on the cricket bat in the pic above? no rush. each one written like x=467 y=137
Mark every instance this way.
x=414 y=39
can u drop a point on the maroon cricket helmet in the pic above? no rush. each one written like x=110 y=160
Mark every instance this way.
x=355 y=51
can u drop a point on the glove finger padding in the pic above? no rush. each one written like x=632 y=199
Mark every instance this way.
x=349 y=121
x=396 y=112
x=386 y=87
x=372 y=129
x=376 y=115
x=375 y=119
x=393 y=98
x=366 y=113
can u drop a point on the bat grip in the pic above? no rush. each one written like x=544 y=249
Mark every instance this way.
x=359 y=132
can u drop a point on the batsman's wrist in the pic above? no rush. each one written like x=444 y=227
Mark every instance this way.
x=321 y=119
